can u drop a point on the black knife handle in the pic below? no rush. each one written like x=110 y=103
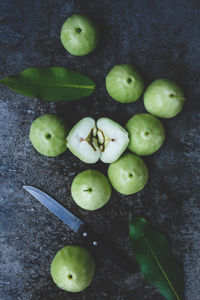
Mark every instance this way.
x=91 y=239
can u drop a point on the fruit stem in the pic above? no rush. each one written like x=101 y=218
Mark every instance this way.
x=179 y=98
x=88 y=190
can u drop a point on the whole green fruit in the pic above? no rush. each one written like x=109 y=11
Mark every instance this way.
x=79 y=35
x=91 y=189
x=124 y=83
x=72 y=268
x=48 y=135
x=129 y=174
x=146 y=134
x=164 y=98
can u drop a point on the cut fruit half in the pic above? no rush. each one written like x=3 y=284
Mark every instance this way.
x=90 y=141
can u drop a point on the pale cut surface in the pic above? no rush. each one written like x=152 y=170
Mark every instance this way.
x=77 y=143
x=116 y=139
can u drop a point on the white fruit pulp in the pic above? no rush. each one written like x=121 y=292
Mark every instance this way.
x=105 y=140
x=78 y=143
x=115 y=139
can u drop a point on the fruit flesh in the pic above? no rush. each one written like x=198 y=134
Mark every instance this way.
x=72 y=268
x=90 y=189
x=129 y=174
x=115 y=136
x=79 y=35
x=80 y=141
x=124 y=83
x=164 y=98
x=146 y=134
x=48 y=134
x=91 y=141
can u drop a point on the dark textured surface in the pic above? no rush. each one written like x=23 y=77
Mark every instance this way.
x=162 y=39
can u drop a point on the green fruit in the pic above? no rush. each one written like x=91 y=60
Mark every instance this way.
x=90 y=141
x=72 y=268
x=164 y=98
x=146 y=134
x=129 y=174
x=91 y=189
x=48 y=135
x=79 y=35
x=124 y=83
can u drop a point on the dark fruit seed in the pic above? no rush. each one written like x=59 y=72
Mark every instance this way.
x=130 y=175
x=129 y=80
x=69 y=276
x=78 y=30
x=147 y=133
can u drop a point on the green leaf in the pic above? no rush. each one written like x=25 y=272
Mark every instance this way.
x=51 y=84
x=158 y=265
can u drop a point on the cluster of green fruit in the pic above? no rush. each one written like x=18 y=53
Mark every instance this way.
x=163 y=98
x=105 y=140
x=73 y=267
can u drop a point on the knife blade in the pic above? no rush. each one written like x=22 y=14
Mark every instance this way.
x=89 y=237
x=57 y=209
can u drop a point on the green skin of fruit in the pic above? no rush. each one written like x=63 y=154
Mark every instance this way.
x=72 y=268
x=124 y=83
x=91 y=189
x=79 y=35
x=48 y=135
x=129 y=174
x=164 y=98
x=146 y=134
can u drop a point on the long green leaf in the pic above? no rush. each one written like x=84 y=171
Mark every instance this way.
x=51 y=84
x=158 y=265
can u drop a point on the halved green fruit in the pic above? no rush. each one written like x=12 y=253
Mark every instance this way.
x=90 y=141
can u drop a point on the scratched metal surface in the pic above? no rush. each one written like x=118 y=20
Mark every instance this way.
x=162 y=39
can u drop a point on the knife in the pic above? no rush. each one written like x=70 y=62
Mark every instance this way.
x=89 y=237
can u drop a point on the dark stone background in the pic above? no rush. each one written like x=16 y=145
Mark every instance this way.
x=162 y=39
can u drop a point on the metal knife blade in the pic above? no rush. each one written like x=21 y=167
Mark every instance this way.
x=89 y=237
x=60 y=211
